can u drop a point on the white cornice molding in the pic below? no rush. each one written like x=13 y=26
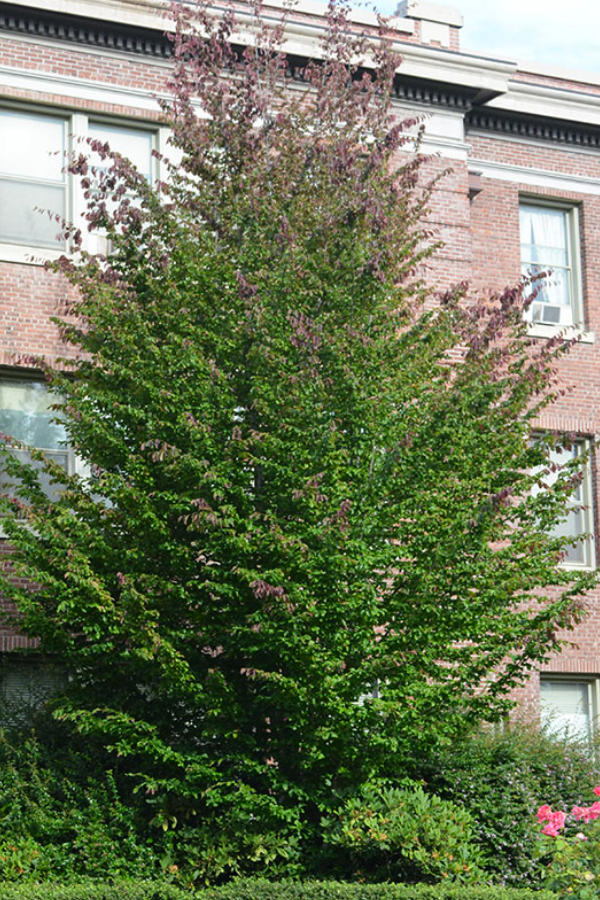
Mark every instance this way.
x=449 y=66
x=532 y=141
x=305 y=26
x=580 y=76
x=140 y=13
x=304 y=30
x=537 y=178
x=549 y=102
x=155 y=13
x=318 y=9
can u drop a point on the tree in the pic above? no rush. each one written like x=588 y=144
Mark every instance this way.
x=306 y=480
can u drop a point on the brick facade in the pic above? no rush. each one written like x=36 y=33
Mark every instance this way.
x=534 y=134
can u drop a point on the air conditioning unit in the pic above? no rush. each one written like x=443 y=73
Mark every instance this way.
x=551 y=313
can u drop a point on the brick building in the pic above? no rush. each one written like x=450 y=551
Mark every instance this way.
x=523 y=145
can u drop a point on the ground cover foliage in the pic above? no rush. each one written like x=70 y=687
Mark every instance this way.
x=305 y=480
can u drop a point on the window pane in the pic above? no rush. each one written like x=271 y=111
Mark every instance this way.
x=578 y=521
x=573 y=526
x=32 y=146
x=51 y=488
x=543 y=236
x=20 y=219
x=565 y=707
x=24 y=687
x=557 y=458
x=555 y=289
x=133 y=143
x=25 y=414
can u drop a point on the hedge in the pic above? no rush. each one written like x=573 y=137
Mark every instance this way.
x=93 y=890
x=258 y=889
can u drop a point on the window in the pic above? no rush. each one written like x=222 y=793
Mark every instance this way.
x=33 y=145
x=25 y=414
x=373 y=694
x=549 y=243
x=32 y=148
x=133 y=143
x=25 y=686
x=579 y=521
x=136 y=145
x=569 y=706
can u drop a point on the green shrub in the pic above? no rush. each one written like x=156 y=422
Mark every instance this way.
x=119 y=890
x=402 y=835
x=208 y=855
x=258 y=889
x=62 y=816
x=500 y=779
x=331 y=890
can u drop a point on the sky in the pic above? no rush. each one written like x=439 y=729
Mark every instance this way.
x=564 y=33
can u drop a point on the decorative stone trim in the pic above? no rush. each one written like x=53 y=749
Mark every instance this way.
x=538 y=128
x=74 y=30
x=434 y=93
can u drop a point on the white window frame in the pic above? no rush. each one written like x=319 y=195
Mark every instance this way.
x=592 y=683
x=76 y=132
x=571 y=211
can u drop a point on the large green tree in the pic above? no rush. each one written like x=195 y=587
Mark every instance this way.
x=308 y=475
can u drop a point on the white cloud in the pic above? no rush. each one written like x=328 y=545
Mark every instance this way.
x=543 y=30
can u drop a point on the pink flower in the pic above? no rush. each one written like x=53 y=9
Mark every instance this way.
x=587 y=813
x=558 y=818
x=555 y=820
x=594 y=810
x=597 y=791
x=580 y=836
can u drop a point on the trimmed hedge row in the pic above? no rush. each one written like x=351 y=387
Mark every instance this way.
x=93 y=890
x=258 y=889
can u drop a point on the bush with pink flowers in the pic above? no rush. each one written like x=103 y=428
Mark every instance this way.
x=499 y=778
x=570 y=842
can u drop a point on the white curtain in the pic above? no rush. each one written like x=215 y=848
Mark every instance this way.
x=544 y=246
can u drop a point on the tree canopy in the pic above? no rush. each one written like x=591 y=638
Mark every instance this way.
x=309 y=543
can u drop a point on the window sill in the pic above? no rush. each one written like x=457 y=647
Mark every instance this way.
x=568 y=332
x=578 y=567
x=30 y=256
